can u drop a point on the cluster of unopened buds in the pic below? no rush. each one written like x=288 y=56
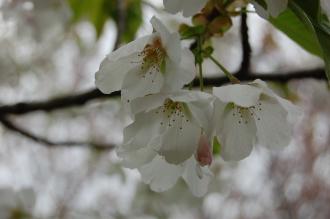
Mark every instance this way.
x=174 y=128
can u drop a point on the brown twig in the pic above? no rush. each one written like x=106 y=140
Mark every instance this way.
x=14 y=128
x=83 y=98
x=246 y=48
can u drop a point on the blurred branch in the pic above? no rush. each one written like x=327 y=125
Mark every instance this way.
x=120 y=21
x=246 y=47
x=83 y=98
x=274 y=77
x=14 y=128
x=55 y=103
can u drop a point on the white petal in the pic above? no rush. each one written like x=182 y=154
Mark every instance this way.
x=236 y=135
x=160 y=175
x=171 y=41
x=202 y=111
x=172 y=45
x=191 y=7
x=180 y=141
x=135 y=158
x=135 y=46
x=187 y=96
x=241 y=95
x=111 y=74
x=143 y=129
x=161 y=29
x=197 y=177
x=138 y=84
x=178 y=75
x=275 y=7
x=147 y=103
x=294 y=112
x=200 y=105
x=173 y=6
x=274 y=131
x=141 y=139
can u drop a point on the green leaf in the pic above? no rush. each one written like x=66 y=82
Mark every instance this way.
x=99 y=11
x=310 y=7
x=262 y=3
x=324 y=39
x=93 y=11
x=188 y=32
x=298 y=31
x=321 y=30
x=216 y=146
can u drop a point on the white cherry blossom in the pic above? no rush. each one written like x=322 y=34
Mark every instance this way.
x=151 y=64
x=251 y=114
x=161 y=175
x=169 y=133
x=274 y=8
x=188 y=7
x=16 y=204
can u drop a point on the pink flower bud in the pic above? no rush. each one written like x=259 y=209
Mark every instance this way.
x=204 y=154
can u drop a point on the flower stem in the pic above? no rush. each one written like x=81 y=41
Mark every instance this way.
x=231 y=77
x=201 y=82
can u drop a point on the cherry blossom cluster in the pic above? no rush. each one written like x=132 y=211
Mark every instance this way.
x=174 y=128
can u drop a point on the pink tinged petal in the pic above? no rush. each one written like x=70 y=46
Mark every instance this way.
x=160 y=175
x=191 y=7
x=241 y=95
x=236 y=134
x=204 y=154
x=197 y=177
x=273 y=128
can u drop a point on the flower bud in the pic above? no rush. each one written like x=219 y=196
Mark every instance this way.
x=204 y=154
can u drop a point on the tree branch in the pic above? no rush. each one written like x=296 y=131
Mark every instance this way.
x=246 y=48
x=14 y=128
x=83 y=98
x=56 y=103
x=278 y=77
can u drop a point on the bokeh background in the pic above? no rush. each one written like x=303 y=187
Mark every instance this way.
x=52 y=48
